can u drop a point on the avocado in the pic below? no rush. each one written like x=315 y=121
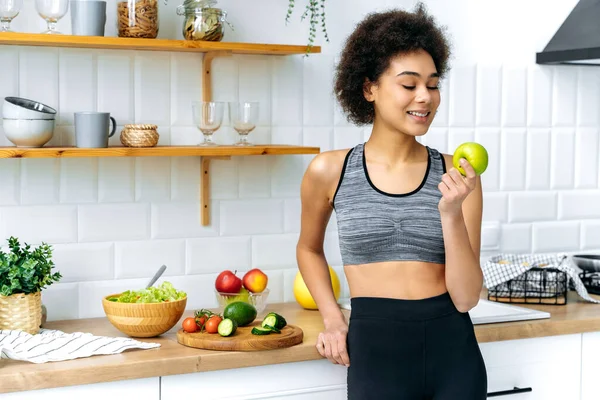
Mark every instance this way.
x=242 y=313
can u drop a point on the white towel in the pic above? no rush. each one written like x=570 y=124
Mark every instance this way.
x=54 y=345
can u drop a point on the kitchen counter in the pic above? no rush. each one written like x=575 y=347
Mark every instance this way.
x=172 y=358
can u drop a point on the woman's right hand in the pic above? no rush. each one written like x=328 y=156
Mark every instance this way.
x=331 y=343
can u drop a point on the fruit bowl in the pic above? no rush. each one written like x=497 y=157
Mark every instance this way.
x=258 y=300
x=143 y=319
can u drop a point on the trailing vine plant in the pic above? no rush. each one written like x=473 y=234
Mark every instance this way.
x=315 y=12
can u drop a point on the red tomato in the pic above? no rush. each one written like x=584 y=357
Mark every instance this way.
x=212 y=324
x=200 y=321
x=189 y=325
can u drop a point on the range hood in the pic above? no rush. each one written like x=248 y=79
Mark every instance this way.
x=577 y=41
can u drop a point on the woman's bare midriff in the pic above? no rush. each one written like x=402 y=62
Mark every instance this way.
x=410 y=280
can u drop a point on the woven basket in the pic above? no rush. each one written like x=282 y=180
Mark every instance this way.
x=140 y=135
x=21 y=312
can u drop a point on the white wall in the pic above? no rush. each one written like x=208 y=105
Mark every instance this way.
x=113 y=222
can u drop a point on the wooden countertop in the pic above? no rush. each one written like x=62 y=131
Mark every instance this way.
x=172 y=358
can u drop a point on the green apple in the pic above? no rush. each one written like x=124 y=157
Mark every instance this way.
x=474 y=153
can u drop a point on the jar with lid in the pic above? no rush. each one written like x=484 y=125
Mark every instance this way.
x=202 y=20
x=137 y=18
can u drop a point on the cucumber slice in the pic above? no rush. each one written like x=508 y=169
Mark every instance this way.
x=227 y=327
x=272 y=328
x=257 y=330
x=275 y=320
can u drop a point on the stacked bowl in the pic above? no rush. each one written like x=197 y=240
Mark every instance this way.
x=27 y=123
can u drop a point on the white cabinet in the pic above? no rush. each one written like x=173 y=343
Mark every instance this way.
x=146 y=389
x=305 y=380
x=550 y=366
x=590 y=365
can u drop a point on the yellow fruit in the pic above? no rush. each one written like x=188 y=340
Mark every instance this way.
x=303 y=296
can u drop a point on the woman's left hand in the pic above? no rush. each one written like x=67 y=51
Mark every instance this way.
x=455 y=188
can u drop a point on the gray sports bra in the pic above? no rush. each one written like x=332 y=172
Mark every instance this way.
x=375 y=226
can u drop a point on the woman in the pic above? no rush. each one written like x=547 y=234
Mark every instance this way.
x=409 y=225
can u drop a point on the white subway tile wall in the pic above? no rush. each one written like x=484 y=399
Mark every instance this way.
x=114 y=221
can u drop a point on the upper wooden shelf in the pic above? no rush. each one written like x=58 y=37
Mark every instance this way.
x=158 y=151
x=119 y=43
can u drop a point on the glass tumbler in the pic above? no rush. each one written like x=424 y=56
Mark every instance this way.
x=9 y=9
x=52 y=11
x=244 y=117
x=208 y=116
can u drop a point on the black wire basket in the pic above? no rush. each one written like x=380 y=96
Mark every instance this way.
x=535 y=286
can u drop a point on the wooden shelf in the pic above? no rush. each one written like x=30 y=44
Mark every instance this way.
x=211 y=50
x=207 y=154
x=158 y=151
x=119 y=43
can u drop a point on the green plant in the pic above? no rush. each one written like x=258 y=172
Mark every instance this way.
x=25 y=271
x=315 y=10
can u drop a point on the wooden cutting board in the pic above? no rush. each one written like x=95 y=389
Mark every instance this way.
x=242 y=339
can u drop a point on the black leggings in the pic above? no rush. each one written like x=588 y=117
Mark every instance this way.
x=413 y=350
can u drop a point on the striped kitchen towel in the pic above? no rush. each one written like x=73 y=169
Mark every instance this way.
x=54 y=345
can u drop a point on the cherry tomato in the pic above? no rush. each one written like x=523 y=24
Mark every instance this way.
x=212 y=324
x=200 y=321
x=189 y=325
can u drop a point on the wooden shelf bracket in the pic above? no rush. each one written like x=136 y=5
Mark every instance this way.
x=205 y=163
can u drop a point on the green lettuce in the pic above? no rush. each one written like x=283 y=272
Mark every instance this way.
x=153 y=294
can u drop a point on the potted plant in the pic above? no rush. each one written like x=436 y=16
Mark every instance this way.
x=315 y=11
x=23 y=274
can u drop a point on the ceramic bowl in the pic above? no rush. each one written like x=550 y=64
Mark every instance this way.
x=20 y=108
x=28 y=132
x=143 y=319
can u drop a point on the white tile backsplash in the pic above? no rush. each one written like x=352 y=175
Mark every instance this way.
x=40 y=180
x=514 y=96
x=513 y=158
x=586 y=158
x=244 y=217
x=538 y=159
x=37 y=224
x=207 y=255
x=10 y=172
x=489 y=95
x=555 y=236
x=539 y=96
x=287 y=88
x=562 y=170
x=274 y=251
x=141 y=259
x=317 y=93
x=532 y=206
x=79 y=180
x=77 y=83
x=114 y=219
x=152 y=88
x=115 y=85
x=564 y=99
x=109 y=222
x=462 y=96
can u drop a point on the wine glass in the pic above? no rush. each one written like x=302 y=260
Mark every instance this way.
x=52 y=11
x=9 y=9
x=208 y=116
x=244 y=116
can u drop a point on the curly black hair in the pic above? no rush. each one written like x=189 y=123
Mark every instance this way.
x=375 y=41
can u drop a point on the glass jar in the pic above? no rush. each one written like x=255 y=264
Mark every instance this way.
x=137 y=18
x=202 y=20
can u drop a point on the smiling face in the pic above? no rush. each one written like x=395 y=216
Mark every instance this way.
x=406 y=95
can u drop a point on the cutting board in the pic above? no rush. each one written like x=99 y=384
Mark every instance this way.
x=242 y=339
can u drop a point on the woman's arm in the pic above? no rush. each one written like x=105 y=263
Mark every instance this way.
x=461 y=210
x=321 y=176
